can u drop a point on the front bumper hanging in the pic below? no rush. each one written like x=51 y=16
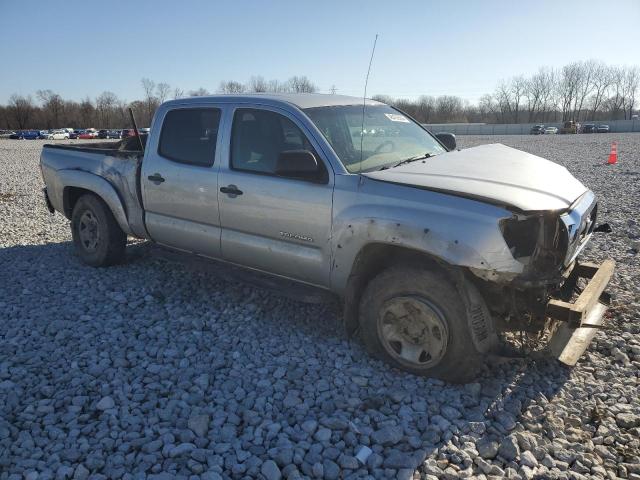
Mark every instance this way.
x=580 y=319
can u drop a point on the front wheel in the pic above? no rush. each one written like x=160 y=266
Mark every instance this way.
x=98 y=238
x=416 y=320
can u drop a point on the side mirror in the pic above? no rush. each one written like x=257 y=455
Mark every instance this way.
x=301 y=164
x=447 y=139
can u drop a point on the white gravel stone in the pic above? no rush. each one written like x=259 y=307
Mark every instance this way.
x=105 y=403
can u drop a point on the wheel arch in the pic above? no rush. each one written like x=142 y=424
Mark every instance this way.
x=374 y=258
x=77 y=183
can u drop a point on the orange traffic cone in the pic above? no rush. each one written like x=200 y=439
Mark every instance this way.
x=613 y=156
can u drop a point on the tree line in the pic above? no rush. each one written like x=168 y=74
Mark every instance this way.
x=49 y=110
x=580 y=91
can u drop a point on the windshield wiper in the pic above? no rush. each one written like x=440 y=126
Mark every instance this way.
x=408 y=160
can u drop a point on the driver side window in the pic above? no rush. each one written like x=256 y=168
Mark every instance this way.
x=259 y=136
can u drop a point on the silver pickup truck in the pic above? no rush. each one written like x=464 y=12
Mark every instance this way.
x=439 y=256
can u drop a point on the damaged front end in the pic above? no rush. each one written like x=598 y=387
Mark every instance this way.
x=540 y=302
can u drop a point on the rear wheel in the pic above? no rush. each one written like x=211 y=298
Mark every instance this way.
x=98 y=238
x=415 y=319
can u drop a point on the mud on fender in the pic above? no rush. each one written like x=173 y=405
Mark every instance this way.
x=480 y=321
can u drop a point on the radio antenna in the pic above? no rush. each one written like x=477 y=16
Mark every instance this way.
x=364 y=97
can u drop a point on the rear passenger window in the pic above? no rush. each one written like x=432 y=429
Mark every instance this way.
x=189 y=135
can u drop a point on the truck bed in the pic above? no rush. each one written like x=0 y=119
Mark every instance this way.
x=115 y=162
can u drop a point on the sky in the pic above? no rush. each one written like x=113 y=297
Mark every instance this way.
x=455 y=47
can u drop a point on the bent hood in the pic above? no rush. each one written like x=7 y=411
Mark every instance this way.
x=494 y=173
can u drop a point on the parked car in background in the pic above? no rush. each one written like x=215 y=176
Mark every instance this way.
x=88 y=134
x=603 y=128
x=17 y=135
x=128 y=132
x=550 y=130
x=59 y=134
x=31 y=134
x=102 y=133
x=537 y=130
x=589 y=128
x=6 y=133
x=76 y=134
x=570 y=127
x=114 y=134
x=45 y=135
x=144 y=131
x=68 y=130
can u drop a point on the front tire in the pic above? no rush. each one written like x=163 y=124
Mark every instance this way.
x=416 y=320
x=98 y=238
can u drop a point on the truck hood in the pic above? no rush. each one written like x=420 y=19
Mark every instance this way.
x=494 y=173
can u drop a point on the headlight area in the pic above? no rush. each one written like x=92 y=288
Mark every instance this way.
x=538 y=241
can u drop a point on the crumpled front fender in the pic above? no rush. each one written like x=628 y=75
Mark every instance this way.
x=457 y=231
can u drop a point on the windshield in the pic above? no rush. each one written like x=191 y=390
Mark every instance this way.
x=387 y=138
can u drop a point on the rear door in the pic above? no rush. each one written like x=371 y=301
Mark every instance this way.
x=179 y=180
x=279 y=225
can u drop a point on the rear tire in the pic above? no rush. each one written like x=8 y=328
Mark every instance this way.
x=416 y=320
x=98 y=238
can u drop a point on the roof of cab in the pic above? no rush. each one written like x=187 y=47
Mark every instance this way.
x=300 y=100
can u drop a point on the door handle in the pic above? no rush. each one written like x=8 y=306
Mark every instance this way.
x=231 y=190
x=156 y=178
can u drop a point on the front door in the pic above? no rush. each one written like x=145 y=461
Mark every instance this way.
x=279 y=225
x=180 y=181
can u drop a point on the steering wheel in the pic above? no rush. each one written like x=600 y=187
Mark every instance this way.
x=384 y=144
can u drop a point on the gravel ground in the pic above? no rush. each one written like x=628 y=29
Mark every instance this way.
x=154 y=370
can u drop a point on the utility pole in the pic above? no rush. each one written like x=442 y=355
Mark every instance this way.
x=333 y=89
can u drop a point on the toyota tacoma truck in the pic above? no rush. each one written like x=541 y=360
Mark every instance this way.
x=439 y=256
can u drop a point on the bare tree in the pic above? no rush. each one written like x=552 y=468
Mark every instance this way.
x=302 y=85
x=449 y=109
x=163 y=90
x=426 y=108
x=502 y=97
x=258 y=84
x=629 y=90
x=276 y=86
x=5 y=117
x=602 y=79
x=231 y=86
x=567 y=88
x=201 y=92
x=615 y=102
x=585 y=86
x=549 y=97
x=518 y=90
x=178 y=93
x=52 y=107
x=122 y=113
x=87 y=112
x=106 y=104
x=537 y=90
x=487 y=108
x=22 y=109
x=151 y=101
